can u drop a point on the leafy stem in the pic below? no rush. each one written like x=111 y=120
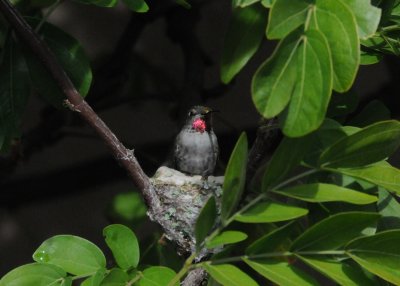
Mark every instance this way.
x=186 y=267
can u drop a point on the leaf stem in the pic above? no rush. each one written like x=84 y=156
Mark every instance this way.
x=186 y=267
x=134 y=279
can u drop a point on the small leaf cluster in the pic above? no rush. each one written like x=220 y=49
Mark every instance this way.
x=63 y=259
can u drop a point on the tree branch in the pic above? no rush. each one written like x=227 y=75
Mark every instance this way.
x=124 y=156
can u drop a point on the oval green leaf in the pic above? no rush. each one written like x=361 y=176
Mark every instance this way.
x=34 y=274
x=334 y=231
x=235 y=178
x=367 y=16
x=244 y=35
x=116 y=277
x=270 y=212
x=206 y=221
x=72 y=253
x=379 y=254
x=319 y=192
x=139 y=6
x=372 y=144
x=157 y=276
x=229 y=275
x=96 y=279
x=124 y=245
x=226 y=237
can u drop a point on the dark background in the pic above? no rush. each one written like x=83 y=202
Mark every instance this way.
x=148 y=69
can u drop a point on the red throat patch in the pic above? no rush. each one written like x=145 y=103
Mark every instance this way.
x=199 y=125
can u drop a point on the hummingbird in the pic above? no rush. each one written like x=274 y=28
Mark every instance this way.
x=196 y=146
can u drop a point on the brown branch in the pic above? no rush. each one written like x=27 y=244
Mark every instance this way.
x=124 y=156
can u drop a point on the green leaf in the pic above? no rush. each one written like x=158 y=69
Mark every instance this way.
x=389 y=208
x=157 y=276
x=96 y=279
x=116 y=277
x=370 y=58
x=381 y=174
x=72 y=253
x=235 y=177
x=244 y=35
x=286 y=157
x=226 y=237
x=14 y=91
x=342 y=104
x=285 y=16
x=379 y=254
x=34 y=274
x=206 y=221
x=337 y=22
x=339 y=271
x=129 y=207
x=71 y=57
x=124 y=245
x=367 y=16
x=311 y=93
x=270 y=212
x=229 y=275
x=320 y=192
x=334 y=231
x=139 y=6
x=183 y=3
x=101 y=3
x=281 y=272
x=271 y=241
x=243 y=3
x=67 y=281
x=373 y=143
x=374 y=111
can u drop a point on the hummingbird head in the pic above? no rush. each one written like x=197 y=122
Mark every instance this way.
x=199 y=118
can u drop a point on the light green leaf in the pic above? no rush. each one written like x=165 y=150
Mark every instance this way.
x=339 y=271
x=371 y=144
x=374 y=111
x=206 y=221
x=381 y=174
x=281 y=272
x=336 y=21
x=311 y=93
x=229 y=275
x=286 y=157
x=243 y=3
x=267 y=3
x=285 y=16
x=226 y=237
x=379 y=254
x=235 y=177
x=67 y=281
x=34 y=274
x=370 y=58
x=72 y=253
x=244 y=35
x=96 y=279
x=124 y=245
x=271 y=241
x=320 y=192
x=389 y=208
x=157 y=276
x=72 y=58
x=129 y=207
x=270 y=212
x=367 y=16
x=334 y=231
x=139 y=6
x=116 y=277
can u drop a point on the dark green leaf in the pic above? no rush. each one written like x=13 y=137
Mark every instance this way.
x=374 y=111
x=381 y=174
x=372 y=144
x=235 y=177
x=72 y=253
x=157 y=276
x=334 y=231
x=34 y=274
x=116 y=277
x=285 y=16
x=389 y=208
x=271 y=212
x=101 y=3
x=183 y=3
x=337 y=22
x=71 y=57
x=206 y=220
x=367 y=16
x=229 y=275
x=226 y=237
x=286 y=157
x=370 y=58
x=14 y=91
x=245 y=32
x=339 y=271
x=320 y=192
x=123 y=244
x=139 y=6
x=271 y=241
x=342 y=104
x=379 y=254
x=281 y=272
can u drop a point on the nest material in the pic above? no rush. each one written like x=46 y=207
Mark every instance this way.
x=182 y=197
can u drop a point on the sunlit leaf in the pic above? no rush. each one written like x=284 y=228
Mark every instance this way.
x=367 y=16
x=389 y=208
x=226 y=237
